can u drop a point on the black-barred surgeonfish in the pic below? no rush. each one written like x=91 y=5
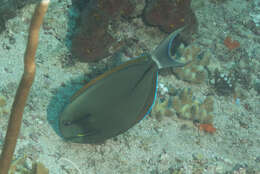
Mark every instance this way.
x=118 y=99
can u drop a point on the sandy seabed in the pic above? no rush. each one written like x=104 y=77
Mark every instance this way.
x=151 y=147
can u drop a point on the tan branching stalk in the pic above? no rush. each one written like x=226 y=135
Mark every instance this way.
x=23 y=90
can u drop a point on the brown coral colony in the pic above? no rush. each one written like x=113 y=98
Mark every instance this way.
x=92 y=41
x=167 y=14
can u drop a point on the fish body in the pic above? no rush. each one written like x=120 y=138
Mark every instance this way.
x=116 y=100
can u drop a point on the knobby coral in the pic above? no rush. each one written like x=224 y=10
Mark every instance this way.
x=188 y=108
x=194 y=71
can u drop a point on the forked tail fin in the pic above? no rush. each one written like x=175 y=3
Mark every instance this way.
x=162 y=55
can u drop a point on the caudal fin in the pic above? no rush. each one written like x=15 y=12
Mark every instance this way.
x=163 y=56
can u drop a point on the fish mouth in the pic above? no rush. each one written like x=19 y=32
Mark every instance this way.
x=73 y=132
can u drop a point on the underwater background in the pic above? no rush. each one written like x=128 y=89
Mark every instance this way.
x=206 y=118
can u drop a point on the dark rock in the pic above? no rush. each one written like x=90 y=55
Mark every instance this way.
x=224 y=84
x=169 y=15
x=92 y=41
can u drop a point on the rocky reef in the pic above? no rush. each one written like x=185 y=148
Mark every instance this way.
x=94 y=39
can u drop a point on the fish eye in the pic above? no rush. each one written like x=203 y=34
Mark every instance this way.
x=69 y=122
